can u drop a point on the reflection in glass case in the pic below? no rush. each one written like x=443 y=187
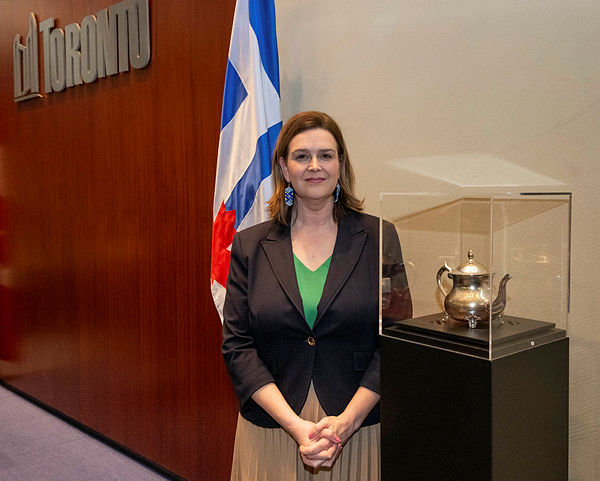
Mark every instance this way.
x=488 y=275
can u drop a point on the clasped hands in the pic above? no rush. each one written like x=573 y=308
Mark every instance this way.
x=320 y=444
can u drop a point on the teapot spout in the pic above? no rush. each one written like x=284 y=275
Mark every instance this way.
x=499 y=303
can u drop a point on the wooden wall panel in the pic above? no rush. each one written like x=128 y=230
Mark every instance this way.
x=108 y=194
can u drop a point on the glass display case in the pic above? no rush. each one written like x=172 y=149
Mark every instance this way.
x=486 y=275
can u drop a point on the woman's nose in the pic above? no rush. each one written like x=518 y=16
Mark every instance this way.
x=314 y=163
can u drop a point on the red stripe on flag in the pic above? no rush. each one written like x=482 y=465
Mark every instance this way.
x=222 y=237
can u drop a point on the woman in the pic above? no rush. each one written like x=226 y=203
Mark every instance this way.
x=300 y=331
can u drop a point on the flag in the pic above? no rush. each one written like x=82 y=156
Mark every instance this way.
x=250 y=124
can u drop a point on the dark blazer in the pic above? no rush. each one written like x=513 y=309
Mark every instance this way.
x=266 y=337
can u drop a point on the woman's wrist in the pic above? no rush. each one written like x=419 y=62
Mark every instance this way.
x=348 y=424
x=271 y=400
x=292 y=425
x=357 y=410
x=299 y=429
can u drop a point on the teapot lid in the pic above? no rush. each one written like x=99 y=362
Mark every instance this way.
x=471 y=268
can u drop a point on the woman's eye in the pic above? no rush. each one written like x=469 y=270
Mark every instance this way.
x=301 y=157
x=326 y=156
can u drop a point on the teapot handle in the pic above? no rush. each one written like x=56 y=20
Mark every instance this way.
x=443 y=269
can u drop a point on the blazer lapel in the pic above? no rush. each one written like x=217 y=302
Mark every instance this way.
x=278 y=248
x=350 y=242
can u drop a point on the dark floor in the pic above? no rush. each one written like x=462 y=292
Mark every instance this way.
x=37 y=446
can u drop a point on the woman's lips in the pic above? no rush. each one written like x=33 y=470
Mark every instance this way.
x=315 y=180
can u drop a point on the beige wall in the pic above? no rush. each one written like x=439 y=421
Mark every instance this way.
x=501 y=94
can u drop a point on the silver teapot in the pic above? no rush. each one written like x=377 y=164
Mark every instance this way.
x=468 y=300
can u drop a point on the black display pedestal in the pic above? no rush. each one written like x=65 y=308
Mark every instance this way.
x=448 y=415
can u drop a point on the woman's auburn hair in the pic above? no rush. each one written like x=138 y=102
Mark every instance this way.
x=297 y=124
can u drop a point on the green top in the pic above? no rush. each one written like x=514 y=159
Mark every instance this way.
x=311 y=285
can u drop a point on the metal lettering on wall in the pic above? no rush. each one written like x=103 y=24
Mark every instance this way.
x=104 y=44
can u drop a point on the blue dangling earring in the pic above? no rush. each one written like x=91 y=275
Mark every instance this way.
x=288 y=196
x=337 y=192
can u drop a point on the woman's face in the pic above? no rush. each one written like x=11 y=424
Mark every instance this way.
x=312 y=166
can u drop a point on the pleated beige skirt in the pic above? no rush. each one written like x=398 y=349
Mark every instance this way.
x=262 y=454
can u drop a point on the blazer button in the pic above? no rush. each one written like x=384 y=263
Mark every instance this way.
x=311 y=341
